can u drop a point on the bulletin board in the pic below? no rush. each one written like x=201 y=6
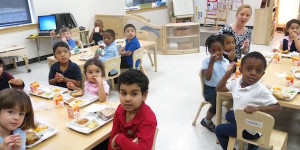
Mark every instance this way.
x=236 y=4
x=212 y=5
x=183 y=7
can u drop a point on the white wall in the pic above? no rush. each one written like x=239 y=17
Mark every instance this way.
x=82 y=11
x=202 y=4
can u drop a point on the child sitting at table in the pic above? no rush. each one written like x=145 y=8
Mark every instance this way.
x=110 y=50
x=291 y=41
x=132 y=44
x=95 y=76
x=134 y=122
x=7 y=80
x=229 y=46
x=97 y=33
x=65 y=36
x=248 y=94
x=16 y=115
x=213 y=69
x=64 y=70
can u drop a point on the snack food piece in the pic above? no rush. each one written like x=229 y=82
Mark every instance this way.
x=277 y=89
x=107 y=113
x=31 y=137
x=285 y=51
x=40 y=128
x=76 y=93
x=280 y=95
x=56 y=90
x=82 y=121
x=40 y=92
x=70 y=100
x=93 y=124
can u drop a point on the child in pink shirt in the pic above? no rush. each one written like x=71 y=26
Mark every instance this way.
x=94 y=71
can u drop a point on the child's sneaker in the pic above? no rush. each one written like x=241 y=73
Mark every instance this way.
x=211 y=126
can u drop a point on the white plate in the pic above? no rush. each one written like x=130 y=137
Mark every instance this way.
x=44 y=134
x=48 y=91
x=296 y=86
x=87 y=98
x=80 y=51
x=85 y=57
x=82 y=128
x=289 y=55
x=291 y=92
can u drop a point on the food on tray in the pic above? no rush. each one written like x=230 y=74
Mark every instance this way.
x=56 y=90
x=70 y=100
x=285 y=51
x=297 y=85
x=34 y=86
x=31 y=137
x=277 y=88
x=82 y=121
x=281 y=95
x=107 y=113
x=40 y=92
x=93 y=124
x=40 y=128
x=76 y=93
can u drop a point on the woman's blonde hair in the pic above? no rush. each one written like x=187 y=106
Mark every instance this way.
x=242 y=7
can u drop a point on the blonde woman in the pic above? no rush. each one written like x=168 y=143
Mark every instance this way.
x=241 y=33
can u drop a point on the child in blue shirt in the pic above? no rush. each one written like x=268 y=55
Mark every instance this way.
x=213 y=69
x=64 y=70
x=65 y=35
x=132 y=44
x=110 y=50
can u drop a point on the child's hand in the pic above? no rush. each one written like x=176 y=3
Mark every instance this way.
x=101 y=46
x=113 y=144
x=16 y=81
x=70 y=85
x=251 y=109
x=18 y=142
x=97 y=55
x=98 y=79
x=64 y=40
x=246 y=44
x=122 y=50
x=231 y=55
x=293 y=35
x=275 y=50
x=213 y=58
x=231 y=66
x=59 y=77
x=7 y=143
x=52 y=33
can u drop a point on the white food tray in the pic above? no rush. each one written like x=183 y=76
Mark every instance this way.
x=85 y=57
x=44 y=134
x=82 y=128
x=87 y=99
x=80 y=51
x=290 y=92
x=49 y=91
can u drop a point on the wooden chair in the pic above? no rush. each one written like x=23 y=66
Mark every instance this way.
x=154 y=140
x=221 y=16
x=76 y=36
x=143 y=35
x=227 y=104
x=138 y=55
x=263 y=123
x=110 y=64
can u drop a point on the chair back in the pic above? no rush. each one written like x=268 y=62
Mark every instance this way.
x=202 y=80
x=154 y=140
x=111 y=64
x=137 y=55
x=76 y=36
x=257 y=121
x=142 y=35
x=222 y=14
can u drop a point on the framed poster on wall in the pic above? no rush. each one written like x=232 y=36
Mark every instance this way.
x=236 y=4
x=212 y=6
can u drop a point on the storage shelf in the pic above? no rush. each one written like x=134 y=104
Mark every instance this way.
x=182 y=51
x=185 y=36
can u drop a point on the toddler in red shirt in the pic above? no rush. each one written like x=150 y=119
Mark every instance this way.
x=134 y=123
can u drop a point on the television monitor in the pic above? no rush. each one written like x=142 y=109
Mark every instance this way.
x=47 y=23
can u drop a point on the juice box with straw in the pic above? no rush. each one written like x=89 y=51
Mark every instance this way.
x=73 y=110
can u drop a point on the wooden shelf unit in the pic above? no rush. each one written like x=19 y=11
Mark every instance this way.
x=181 y=38
x=264 y=23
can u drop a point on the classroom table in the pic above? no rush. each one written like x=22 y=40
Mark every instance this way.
x=67 y=138
x=269 y=78
x=15 y=51
x=91 y=50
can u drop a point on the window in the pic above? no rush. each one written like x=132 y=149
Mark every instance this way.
x=14 y=12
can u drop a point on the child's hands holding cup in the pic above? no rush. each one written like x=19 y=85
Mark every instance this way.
x=213 y=58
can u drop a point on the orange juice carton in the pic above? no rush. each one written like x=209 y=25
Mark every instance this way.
x=277 y=57
x=289 y=79
x=237 y=72
x=34 y=86
x=73 y=110
x=295 y=58
x=238 y=63
x=58 y=100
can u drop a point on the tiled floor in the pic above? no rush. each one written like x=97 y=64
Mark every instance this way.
x=174 y=96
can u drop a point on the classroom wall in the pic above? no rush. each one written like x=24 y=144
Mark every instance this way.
x=82 y=11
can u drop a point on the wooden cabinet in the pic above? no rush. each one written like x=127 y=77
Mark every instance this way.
x=180 y=38
x=264 y=23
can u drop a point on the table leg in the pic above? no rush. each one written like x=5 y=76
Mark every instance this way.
x=155 y=57
x=38 y=47
x=14 y=63
x=218 y=111
x=86 y=38
x=26 y=63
